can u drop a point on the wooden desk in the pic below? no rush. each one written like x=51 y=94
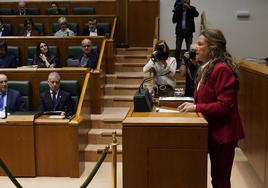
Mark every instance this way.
x=253 y=110
x=17 y=145
x=163 y=150
x=59 y=147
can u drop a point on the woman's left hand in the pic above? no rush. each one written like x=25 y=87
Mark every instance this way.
x=186 y=107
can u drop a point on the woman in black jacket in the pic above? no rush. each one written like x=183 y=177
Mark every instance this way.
x=43 y=58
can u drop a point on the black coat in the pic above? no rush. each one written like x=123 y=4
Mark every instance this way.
x=8 y=61
x=190 y=15
x=93 y=59
x=100 y=31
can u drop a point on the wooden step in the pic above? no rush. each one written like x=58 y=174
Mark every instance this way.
x=103 y=136
x=132 y=58
x=127 y=78
x=120 y=89
x=118 y=101
x=129 y=67
x=111 y=118
x=133 y=51
x=93 y=151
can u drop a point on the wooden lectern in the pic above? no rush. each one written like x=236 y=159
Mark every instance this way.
x=167 y=149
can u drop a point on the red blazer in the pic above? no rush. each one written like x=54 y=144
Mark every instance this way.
x=217 y=101
x=33 y=33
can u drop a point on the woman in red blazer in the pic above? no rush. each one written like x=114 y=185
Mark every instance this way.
x=29 y=29
x=216 y=98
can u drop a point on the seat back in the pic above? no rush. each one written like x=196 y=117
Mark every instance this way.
x=83 y=10
x=6 y=11
x=53 y=50
x=33 y=11
x=38 y=26
x=106 y=28
x=73 y=26
x=62 y=11
x=24 y=87
x=14 y=50
x=71 y=86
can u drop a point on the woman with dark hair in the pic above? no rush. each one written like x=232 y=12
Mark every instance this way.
x=216 y=98
x=43 y=58
x=164 y=69
x=29 y=29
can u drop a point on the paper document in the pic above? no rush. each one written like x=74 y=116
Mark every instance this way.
x=56 y=117
x=165 y=110
x=176 y=99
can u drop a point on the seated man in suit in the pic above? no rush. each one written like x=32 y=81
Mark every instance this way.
x=22 y=10
x=3 y=29
x=90 y=57
x=92 y=30
x=9 y=98
x=6 y=60
x=55 y=99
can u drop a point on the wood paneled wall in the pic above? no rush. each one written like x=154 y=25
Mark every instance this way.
x=253 y=108
x=141 y=21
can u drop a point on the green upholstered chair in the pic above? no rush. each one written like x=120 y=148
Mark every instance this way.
x=71 y=86
x=38 y=26
x=83 y=10
x=14 y=50
x=6 y=11
x=24 y=87
x=106 y=28
x=53 y=50
x=73 y=26
x=33 y=11
x=62 y=11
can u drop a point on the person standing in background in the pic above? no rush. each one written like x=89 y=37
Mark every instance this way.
x=183 y=17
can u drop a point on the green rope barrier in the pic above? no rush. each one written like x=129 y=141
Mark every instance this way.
x=96 y=168
x=9 y=174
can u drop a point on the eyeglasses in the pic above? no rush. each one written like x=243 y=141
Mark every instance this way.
x=3 y=81
x=86 y=46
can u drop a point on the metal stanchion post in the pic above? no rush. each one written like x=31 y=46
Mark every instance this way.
x=114 y=159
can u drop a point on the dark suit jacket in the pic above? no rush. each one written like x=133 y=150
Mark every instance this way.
x=5 y=32
x=14 y=101
x=93 y=60
x=26 y=12
x=100 y=31
x=190 y=15
x=64 y=102
x=217 y=101
x=8 y=61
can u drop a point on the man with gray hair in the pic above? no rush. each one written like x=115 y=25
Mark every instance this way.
x=56 y=99
x=22 y=10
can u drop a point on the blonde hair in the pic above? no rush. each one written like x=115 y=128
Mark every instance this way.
x=62 y=20
x=217 y=51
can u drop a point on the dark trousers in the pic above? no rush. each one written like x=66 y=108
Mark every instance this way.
x=221 y=157
x=179 y=39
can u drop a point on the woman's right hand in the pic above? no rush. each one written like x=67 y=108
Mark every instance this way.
x=43 y=57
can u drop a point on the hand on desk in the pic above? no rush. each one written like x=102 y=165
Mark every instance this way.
x=186 y=107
